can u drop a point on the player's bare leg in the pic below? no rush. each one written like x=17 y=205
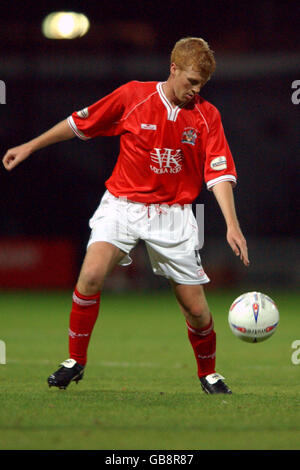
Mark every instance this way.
x=100 y=259
x=194 y=306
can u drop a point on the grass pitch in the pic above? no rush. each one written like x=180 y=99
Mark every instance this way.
x=140 y=389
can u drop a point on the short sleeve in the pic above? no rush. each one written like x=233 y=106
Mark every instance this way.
x=103 y=118
x=219 y=164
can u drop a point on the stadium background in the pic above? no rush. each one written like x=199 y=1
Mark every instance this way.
x=140 y=389
x=45 y=203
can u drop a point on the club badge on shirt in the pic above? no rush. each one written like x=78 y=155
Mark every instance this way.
x=189 y=136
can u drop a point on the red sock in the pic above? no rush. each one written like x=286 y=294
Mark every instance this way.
x=203 y=342
x=83 y=316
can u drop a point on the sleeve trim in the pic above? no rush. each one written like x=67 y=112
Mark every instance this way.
x=220 y=179
x=75 y=129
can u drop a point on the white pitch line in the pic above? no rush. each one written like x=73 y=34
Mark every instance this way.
x=144 y=365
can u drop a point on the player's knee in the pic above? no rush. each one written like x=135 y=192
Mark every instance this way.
x=90 y=282
x=198 y=313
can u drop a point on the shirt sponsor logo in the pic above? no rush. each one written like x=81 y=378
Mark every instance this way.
x=83 y=113
x=189 y=136
x=166 y=160
x=219 y=163
x=149 y=127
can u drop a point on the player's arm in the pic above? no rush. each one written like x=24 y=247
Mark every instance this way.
x=58 y=133
x=224 y=196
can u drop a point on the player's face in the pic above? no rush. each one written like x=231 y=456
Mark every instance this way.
x=186 y=83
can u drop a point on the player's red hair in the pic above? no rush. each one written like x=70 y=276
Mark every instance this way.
x=196 y=52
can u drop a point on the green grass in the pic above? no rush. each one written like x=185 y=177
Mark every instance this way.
x=140 y=389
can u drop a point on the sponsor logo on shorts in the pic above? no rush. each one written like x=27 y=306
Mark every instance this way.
x=200 y=272
x=166 y=160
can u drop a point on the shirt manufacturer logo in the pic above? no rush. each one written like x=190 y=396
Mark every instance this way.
x=166 y=160
x=149 y=127
x=83 y=113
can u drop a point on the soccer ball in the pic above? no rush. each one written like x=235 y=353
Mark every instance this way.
x=253 y=317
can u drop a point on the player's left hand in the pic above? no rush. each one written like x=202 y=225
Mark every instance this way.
x=238 y=243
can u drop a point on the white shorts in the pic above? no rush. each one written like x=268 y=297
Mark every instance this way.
x=170 y=234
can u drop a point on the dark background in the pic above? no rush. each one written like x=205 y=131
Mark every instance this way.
x=257 y=49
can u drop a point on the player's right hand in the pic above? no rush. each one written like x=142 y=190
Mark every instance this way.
x=16 y=155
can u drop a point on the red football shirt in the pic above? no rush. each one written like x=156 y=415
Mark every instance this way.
x=165 y=153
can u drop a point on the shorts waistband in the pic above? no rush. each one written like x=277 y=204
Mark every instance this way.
x=149 y=204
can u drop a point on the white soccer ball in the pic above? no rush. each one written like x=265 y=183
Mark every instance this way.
x=253 y=317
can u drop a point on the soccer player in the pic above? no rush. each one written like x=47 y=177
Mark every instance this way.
x=171 y=141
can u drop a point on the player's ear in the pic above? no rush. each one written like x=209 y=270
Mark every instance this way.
x=173 y=68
